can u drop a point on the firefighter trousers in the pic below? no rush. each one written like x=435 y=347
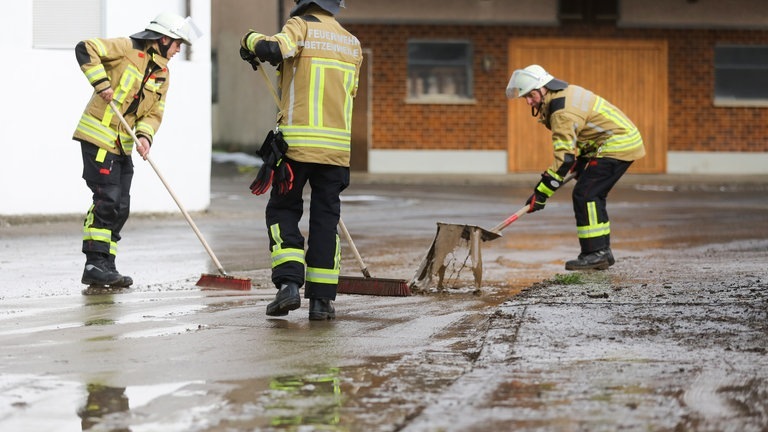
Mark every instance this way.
x=589 y=202
x=318 y=268
x=109 y=177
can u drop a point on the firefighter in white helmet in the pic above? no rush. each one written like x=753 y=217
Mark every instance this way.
x=589 y=136
x=132 y=72
x=318 y=63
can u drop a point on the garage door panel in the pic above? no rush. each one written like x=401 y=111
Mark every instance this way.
x=629 y=74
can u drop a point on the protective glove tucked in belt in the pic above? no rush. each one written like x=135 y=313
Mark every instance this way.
x=283 y=179
x=275 y=168
x=545 y=189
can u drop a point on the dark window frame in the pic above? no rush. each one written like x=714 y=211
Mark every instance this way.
x=741 y=75
x=426 y=74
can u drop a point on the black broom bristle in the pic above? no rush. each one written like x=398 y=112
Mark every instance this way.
x=373 y=286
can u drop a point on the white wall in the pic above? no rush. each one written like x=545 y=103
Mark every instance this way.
x=495 y=162
x=44 y=94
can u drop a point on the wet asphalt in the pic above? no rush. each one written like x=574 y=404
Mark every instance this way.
x=673 y=337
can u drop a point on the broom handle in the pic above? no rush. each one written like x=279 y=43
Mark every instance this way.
x=497 y=229
x=170 y=191
x=363 y=267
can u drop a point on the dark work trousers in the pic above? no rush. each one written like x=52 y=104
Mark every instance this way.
x=589 y=202
x=109 y=178
x=283 y=215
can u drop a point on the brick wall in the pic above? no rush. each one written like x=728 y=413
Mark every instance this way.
x=694 y=123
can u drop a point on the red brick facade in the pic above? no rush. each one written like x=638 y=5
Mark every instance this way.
x=695 y=124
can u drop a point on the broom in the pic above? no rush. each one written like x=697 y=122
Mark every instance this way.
x=221 y=281
x=351 y=284
x=368 y=285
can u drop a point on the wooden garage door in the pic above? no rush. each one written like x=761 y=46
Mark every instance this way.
x=631 y=74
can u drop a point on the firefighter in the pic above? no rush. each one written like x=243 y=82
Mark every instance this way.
x=133 y=73
x=318 y=63
x=590 y=137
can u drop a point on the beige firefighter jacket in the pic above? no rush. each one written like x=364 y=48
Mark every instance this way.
x=318 y=82
x=585 y=124
x=124 y=63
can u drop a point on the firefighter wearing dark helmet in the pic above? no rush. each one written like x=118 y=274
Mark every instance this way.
x=318 y=64
x=132 y=73
x=591 y=137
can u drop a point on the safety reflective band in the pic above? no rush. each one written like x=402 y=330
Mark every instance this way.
x=329 y=138
x=101 y=155
x=113 y=248
x=97 y=234
x=630 y=139
x=101 y=49
x=144 y=129
x=285 y=42
x=96 y=131
x=325 y=276
x=127 y=81
x=543 y=188
x=96 y=74
x=281 y=256
x=595 y=228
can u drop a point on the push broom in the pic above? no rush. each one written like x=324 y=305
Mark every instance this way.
x=366 y=285
x=220 y=281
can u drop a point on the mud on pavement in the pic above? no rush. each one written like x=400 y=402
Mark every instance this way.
x=671 y=338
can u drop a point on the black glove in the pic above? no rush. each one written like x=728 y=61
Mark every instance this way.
x=283 y=179
x=271 y=152
x=249 y=57
x=262 y=181
x=536 y=201
x=544 y=189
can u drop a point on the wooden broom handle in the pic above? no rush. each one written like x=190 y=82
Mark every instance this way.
x=170 y=191
x=348 y=237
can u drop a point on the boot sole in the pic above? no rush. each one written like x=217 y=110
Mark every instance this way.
x=600 y=266
x=285 y=306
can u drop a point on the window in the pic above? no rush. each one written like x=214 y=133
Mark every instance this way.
x=588 y=10
x=741 y=75
x=439 y=72
x=62 y=24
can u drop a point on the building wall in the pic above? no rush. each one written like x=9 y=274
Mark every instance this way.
x=244 y=111
x=45 y=92
x=698 y=130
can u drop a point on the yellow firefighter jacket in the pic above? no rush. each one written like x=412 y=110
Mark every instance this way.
x=318 y=82
x=139 y=78
x=585 y=124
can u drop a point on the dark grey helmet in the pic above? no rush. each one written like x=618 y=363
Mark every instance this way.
x=330 y=6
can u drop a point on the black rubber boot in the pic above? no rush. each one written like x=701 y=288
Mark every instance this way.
x=591 y=261
x=287 y=299
x=125 y=281
x=321 y=310
x=97 y=272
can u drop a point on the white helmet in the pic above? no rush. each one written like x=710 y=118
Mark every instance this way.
x=175 y=27
x=531 y=78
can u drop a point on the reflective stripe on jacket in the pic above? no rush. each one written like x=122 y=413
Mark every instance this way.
x=124 y=65
x=585 y=124
x=318 y=81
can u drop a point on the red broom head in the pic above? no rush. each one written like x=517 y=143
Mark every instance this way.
x=210 y=281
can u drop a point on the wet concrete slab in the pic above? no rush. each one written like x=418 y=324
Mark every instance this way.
x=670 y=338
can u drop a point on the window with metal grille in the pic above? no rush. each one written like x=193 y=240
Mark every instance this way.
x=439 y=71
x=741 y=75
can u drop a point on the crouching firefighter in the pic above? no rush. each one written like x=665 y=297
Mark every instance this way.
x=318 y=65
x=133 y=73
x=590 y=137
